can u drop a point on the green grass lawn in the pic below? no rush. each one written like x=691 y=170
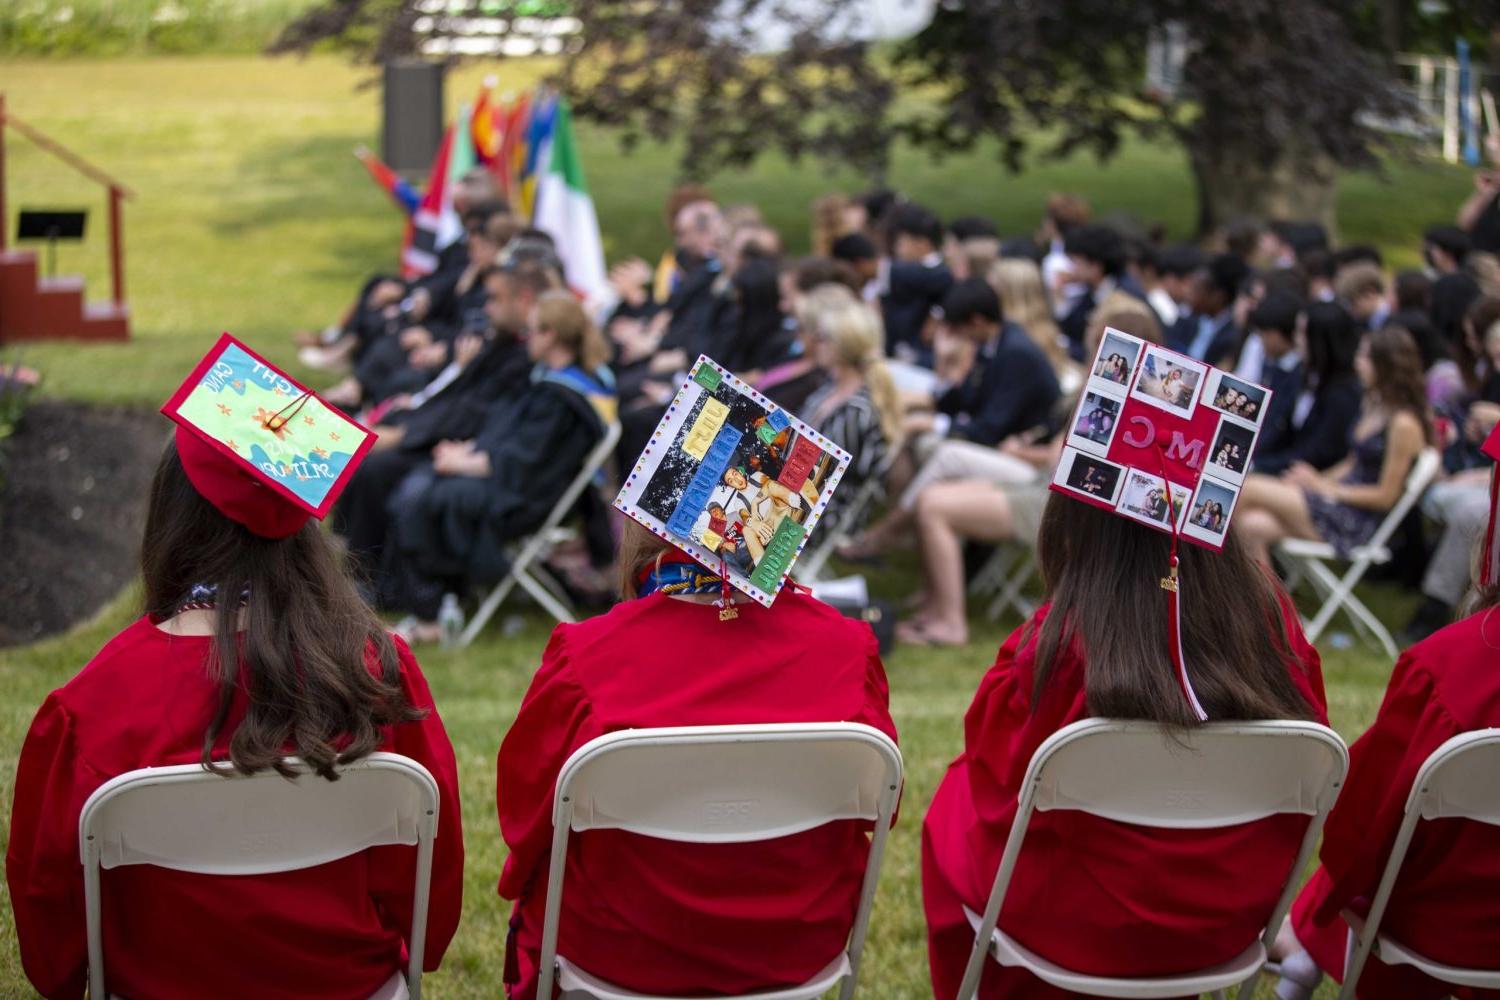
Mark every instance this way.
x=253 y=217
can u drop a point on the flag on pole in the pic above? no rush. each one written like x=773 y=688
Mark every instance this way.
x=513 y=144
x=538 y=135
x=486 y=126
x=434 y=224
x=565 y=211
x=403 y=194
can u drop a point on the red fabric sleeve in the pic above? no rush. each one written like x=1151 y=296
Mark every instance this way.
x=393 y=869
x=42 y=866
x=1383 y=764
x=554 y=720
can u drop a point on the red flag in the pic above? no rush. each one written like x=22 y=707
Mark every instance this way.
x=513 y=144
x=434 y=223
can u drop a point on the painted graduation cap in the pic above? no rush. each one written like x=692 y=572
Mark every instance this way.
x=1165 y=441
x=260 y=446
x=733 y=480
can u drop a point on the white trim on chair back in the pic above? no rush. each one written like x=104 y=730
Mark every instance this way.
x=1216 y=775
x=1458 y=780
x=725 y=784
x=188 y=819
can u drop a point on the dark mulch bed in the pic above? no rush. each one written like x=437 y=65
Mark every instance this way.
x=71 y=513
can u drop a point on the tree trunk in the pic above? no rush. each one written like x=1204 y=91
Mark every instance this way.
x=1237 y=187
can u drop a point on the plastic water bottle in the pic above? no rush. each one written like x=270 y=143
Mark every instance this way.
x=450 y=621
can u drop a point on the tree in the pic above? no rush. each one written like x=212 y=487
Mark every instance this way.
x=1277 y=95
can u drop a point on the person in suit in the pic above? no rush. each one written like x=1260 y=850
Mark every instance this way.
x=914 y=280
x=1098 y=254
x=1207 y=331
x=1325 y=409
x=1273 y=324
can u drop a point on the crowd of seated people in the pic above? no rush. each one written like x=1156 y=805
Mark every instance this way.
x=946 y=357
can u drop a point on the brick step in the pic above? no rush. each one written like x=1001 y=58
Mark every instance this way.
x=36 y=308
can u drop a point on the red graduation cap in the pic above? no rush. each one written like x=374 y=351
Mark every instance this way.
x=260 y=446
x=1166 y=441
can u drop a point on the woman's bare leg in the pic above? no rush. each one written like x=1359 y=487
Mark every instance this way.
x=1269 y=510
x=946 y=514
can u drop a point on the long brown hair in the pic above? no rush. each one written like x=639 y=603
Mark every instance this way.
x=304 y=654
x=1398 y=382
x=1103 y=574
x=639 y=548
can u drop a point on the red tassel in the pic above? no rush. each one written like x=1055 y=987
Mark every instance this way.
x=1487 y=567
x=1171 y=584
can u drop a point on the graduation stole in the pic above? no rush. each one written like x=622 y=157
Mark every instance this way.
x=598 y=388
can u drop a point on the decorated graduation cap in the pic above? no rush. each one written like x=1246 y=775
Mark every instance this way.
x=735 y=482
x=1165 y=441
x=260 y=446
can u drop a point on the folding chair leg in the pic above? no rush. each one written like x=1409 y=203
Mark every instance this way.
x=487 y=609
x=993 y=573
x=1373 y=627
x=1335 y=590
x=527 y=578
x=1010 y=591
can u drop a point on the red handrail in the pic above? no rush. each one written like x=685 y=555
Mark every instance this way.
x=117 y=192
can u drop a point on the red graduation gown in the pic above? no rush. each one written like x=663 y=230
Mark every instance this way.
x=1090 y=894
x=1444 y=903
x=659 y=917
x=334 y=931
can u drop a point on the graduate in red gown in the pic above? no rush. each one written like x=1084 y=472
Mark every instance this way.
x=1445 y=903
x=1090 y=894
x=235 y=574
x=690 y=919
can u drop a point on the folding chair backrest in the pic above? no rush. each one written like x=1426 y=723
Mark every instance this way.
x=1458 y=780
x=1424 y=469
x=1216 y=775
x=592 y=463
x=725 y=784
x=189 y=819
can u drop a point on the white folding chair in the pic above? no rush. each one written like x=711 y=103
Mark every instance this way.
x=810 y=567
x=1303 y=556
x=1220 y=774
x=1459 y=780
x=188 y=819
x=527 y=555
x=1005 y=575
x=724 y=785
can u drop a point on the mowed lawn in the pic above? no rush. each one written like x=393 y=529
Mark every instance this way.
x=253 y=217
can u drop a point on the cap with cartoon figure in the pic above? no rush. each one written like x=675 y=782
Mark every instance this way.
x=258 y=445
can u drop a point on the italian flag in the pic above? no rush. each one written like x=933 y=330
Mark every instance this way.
x=565 y=211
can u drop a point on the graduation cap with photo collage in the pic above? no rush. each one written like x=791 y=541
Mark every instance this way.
x=1165 y=441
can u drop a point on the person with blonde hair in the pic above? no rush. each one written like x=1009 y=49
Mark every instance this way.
x=480 y=495
x=830 y=220
x=1018 y=282
x=858 y=409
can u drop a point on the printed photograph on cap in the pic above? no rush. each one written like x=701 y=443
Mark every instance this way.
x=1236 y=397
x=1097 y=420
x=1114 y=364
x=1210 y=511
x=1229 y=455
x=1169 y=381
x=1146 y=498
x=1088 y=475
x=733 y=480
